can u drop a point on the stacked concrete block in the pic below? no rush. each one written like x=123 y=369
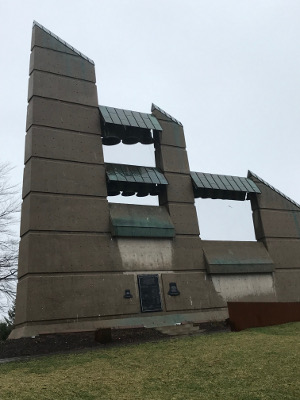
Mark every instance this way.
x=277 y=225
x=65 y=239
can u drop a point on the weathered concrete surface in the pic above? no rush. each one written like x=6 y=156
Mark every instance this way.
x=56 y=114
x=287 y=285
x=172 y=134
x=62 y=88
x=245 y=287
x=178 y=190
x=78 y=296
x=143 y=254
x=196 y=292
x=48 y=212
x=61 y=64
x=42 y=39
x=146 y=320
x=63 y=145
x=279 y=224
x=184 y=218
x=172 y=159
x=45 y=252
x=188 y=253
x=52 y=176
x=236 y=257
x=285 y=252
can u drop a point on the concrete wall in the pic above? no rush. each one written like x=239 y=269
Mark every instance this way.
x=73 y=272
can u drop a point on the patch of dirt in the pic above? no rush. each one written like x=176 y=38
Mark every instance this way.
x=65 y=342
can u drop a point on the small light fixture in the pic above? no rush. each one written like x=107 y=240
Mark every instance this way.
x=127 y=294
x=173 y=291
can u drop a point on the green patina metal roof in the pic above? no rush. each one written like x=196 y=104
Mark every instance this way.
x=132 y=220
x=134 y=174
x=250 y=174
x=155 y=107
x=222 y=186
x=117 y=116
x=63 y=42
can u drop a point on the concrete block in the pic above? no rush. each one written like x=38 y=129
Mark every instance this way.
x=269 y=199
x=61 y=64
x=21 y=302
x=59 y=297
x=52 y=176
x=55 y=252
x=56 y=114
x=258 y=225
x=187 y=253
x=284 y=252
x=196 y=292
x=245 y=287
x=41 y=38
x=179 y=189
x=281 y=224
x=62 y=88
x=236 y=257
x=49 y=212
x=184 y=218
x=287 y=284
x=63 y=145
x=172 y=159
x=172 y=134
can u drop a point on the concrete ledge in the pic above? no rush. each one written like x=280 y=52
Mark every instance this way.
x=56 y=114
x=78 y=325
x=50 y=212
x=61 y=63
x=62 y=88
x=63 y=145
x=61 y=177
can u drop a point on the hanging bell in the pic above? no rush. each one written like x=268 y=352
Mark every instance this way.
x=113 y=189
x=129 y=189
x=146 y=137
x=155 y=190
x=143 y=190
x=112 y=135
x=131 y=135
x=173 y=291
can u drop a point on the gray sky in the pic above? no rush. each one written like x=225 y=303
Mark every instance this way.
x=228 y=70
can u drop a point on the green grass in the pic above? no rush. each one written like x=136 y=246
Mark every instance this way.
x=256 y=364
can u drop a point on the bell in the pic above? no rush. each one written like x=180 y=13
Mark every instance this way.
x=155 y=190
x=112 y=135
x=129 y=189
x=173 y=291
x=131 y=136
x=127 y=294
x=143 y=190
x=113 y=189
x=146 y=137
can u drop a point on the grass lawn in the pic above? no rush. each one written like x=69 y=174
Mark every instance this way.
x=262 y=363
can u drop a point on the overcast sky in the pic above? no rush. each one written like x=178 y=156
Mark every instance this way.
x=228 y=70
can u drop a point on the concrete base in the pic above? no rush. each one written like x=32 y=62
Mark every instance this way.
x=153 y=321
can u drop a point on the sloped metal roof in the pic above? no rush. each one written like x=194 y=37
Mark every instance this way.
x=252 y=174
x=215 y=186
x=155 y=107
x=134 y=174
x=63 y=42
x=136 y=119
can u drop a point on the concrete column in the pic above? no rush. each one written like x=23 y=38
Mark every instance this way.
x=277 y=225
x=178 y=197
x=65 y=216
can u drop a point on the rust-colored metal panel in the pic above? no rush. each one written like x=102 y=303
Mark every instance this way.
x=243 y=315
